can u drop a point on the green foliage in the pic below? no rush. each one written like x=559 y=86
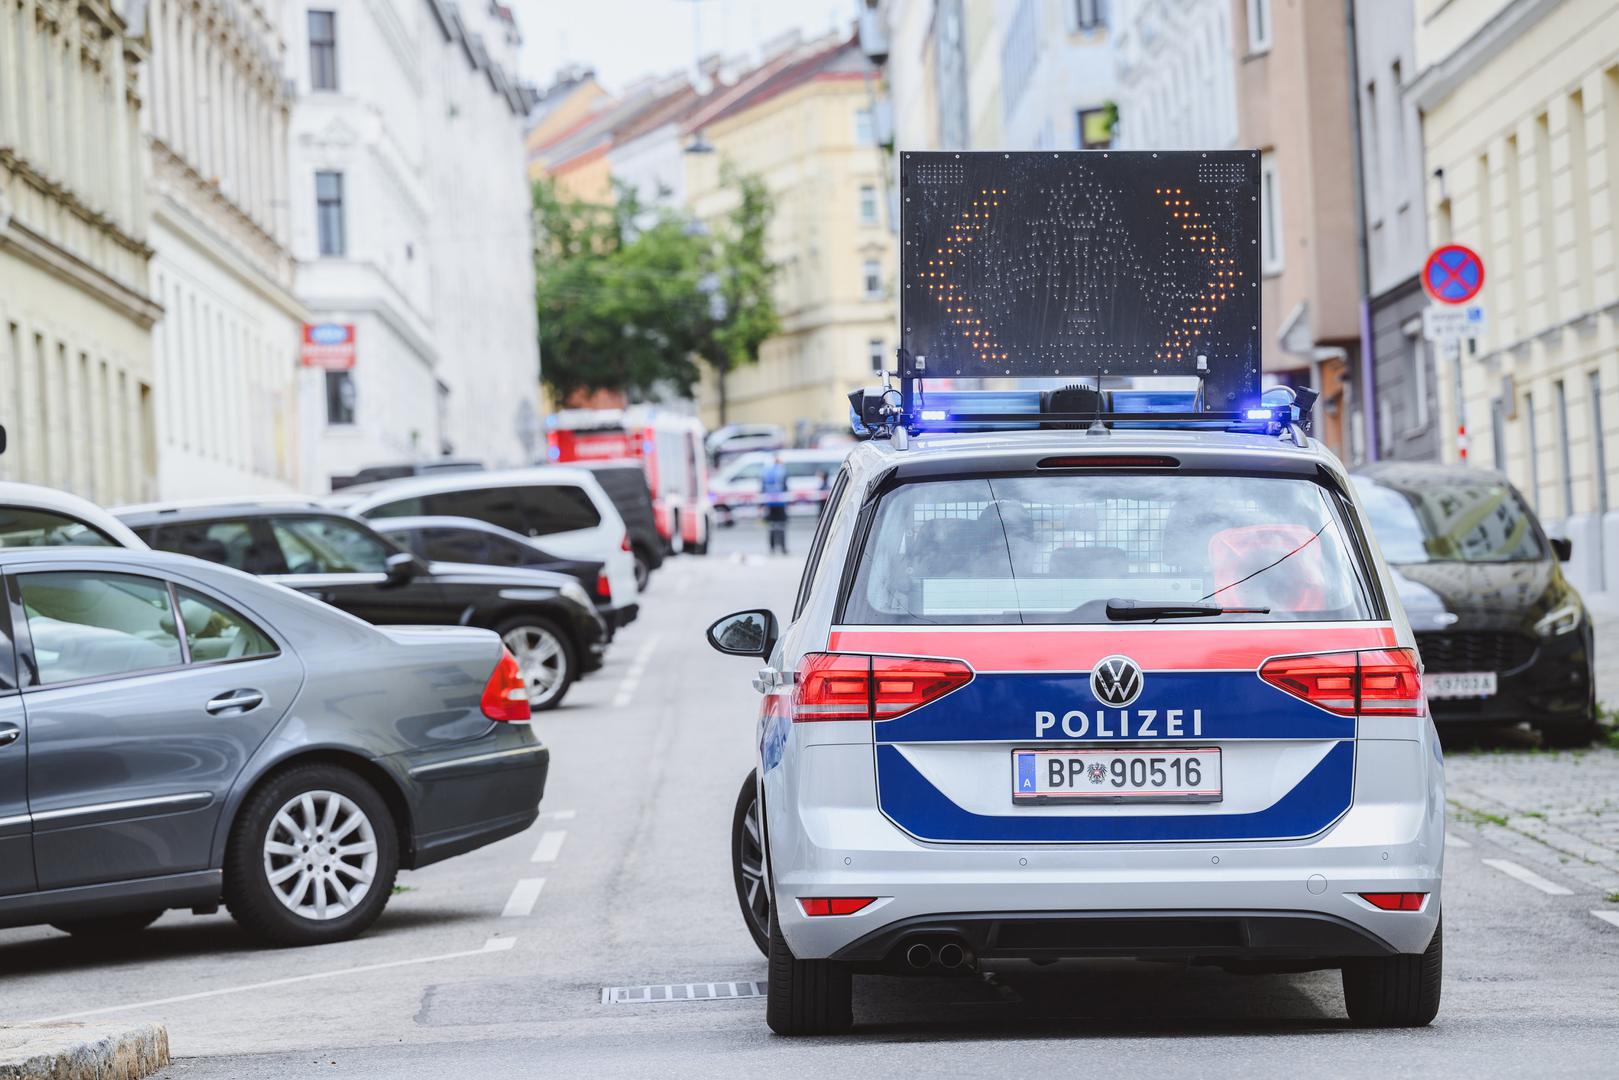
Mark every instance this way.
x=629 y=298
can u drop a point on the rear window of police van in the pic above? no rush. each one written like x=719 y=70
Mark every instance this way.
x=1056 y=549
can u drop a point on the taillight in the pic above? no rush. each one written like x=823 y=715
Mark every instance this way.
x=604 y=586
x=834 y=905
x=1372 y=682
x=1395 y=901
x=505 y=695
x=853 y=686
x=624 y=544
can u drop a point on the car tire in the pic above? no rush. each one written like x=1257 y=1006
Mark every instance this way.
x=109 y=926
x=643 y=569
x=284 y=910
x=748 y=865
x=807 y=997
x=549 y=648
x=1396 y=991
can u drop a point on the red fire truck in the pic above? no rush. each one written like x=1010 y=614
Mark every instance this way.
x=669 y=448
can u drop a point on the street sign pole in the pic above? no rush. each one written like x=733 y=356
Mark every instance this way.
x=1452 y=277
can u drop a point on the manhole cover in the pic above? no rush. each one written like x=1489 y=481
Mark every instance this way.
x=657 y=995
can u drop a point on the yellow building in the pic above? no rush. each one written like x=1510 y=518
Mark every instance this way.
x=809 y=131
x=573 y=97
x=1520 y=104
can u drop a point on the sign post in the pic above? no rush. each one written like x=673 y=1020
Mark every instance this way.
x=1452 y=278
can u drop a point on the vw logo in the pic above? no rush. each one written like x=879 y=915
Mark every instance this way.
x=1116 y=681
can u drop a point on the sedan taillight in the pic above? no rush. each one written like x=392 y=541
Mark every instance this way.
x=1371 y=682
x=604 y=586
x=854 y=686
x=505 y=695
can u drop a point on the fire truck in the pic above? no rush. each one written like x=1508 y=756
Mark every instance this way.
x=668 y=446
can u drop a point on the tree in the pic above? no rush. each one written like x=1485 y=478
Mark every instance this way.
x=628 y=298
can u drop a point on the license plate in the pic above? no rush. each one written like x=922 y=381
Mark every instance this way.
x=1460 y=684
x=1173 y=774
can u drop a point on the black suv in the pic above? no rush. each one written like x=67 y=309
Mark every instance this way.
x=546 y=619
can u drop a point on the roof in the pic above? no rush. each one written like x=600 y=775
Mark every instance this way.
x=36 y=497
x=412 y=486
x=1414 y=474
x=209 y=510
x=843 y=59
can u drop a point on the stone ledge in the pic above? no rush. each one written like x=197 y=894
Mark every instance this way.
x=79 y=1051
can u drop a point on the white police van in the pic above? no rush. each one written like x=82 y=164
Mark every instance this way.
x=1069 y=676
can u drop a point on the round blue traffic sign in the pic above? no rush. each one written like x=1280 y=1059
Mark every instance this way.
x=1453 y=274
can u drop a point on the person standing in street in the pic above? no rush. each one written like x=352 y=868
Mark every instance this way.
x=774 y=486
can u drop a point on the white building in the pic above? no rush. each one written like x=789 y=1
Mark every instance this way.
x=410 y=221
x=75 y=308
x=226 y=350
x=1177 y=86
x=1057 y=75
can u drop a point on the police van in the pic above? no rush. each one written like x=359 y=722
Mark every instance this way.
x=1088 y=671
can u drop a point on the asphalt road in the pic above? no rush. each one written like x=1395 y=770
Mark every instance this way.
x=495 y=963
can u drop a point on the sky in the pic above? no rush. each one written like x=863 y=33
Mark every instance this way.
x=625 y=40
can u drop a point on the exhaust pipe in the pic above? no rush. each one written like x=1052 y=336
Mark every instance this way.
x=919 y=956
x=951 y=955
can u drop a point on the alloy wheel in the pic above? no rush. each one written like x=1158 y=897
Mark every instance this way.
x=541 y=658
x=750 y=863
x=320 y=855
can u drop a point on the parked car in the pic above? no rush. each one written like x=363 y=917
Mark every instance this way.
x=372 y=474
x=1503 y=636
x=562 y=510
x=546 y=620
x=737 y=489
x=625 y=483
x=35 y=516
x=732 y=440
x=466 y=541
x=250 y=746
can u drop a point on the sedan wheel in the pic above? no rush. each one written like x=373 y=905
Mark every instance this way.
x=748 y=864
x=545 y=658
x=320 y=855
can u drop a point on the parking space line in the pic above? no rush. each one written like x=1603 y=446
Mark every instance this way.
x=493 y=945
x=1609 y=917
x=1528 y=877
x=632 y=677
x=1452 y=840
x=550 y=845
x=524 y=895
x=558 y=815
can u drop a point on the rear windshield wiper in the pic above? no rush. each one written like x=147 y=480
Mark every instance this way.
x=1133 y=610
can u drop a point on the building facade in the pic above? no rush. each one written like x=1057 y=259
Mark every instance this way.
x=1532 y=184
x=76 y=309
x=807 y=130
x=1401 y=423
x=410 y=221
x=1176 y=75
x=226 y=350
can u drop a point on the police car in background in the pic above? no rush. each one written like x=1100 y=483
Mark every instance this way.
x=1139 y=691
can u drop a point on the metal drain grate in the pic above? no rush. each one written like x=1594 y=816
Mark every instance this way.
x=657 y=995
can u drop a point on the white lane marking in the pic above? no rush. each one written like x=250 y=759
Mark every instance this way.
x=558 y=815
x=1610 y=917
x=1528 y=877
x=1452 y=840
x=632 y=677
x=550 y=845
x=524 y=895
x=493 y=945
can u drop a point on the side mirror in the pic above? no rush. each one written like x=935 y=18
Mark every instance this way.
x=401 y=567
x=1562 y=547
x=745 y=633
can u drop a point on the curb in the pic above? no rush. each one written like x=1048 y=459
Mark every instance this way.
x=80 y=1052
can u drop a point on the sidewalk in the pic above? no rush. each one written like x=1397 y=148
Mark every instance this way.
x=1604 y=609
x=75 y=1050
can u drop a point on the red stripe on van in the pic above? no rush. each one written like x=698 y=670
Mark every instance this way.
x=1155 y=648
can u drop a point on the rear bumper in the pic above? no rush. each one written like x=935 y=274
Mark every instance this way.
x=622 y=616
x=474 y=793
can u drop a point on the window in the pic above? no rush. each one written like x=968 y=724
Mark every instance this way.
x=340 y=397
x=877 y=352
x=88 y=625
x=1456 y=521
x=1562 y=444
x=871 y=273
x=1598 y=445
x=865 y=127
x=329 y=212
x=456 y=545
x=27 y=527
x=215 y=632
x=321 y=545
x=497 y=506
x=1095 y=129
x=231 y=543
x=868 y=204
x=1258 y=25
x=322 y=50
x=1270 y=208
x=1089 y=14
x=535 y=510
x=555 y=508
x=838 y=507
x=1056 y=549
